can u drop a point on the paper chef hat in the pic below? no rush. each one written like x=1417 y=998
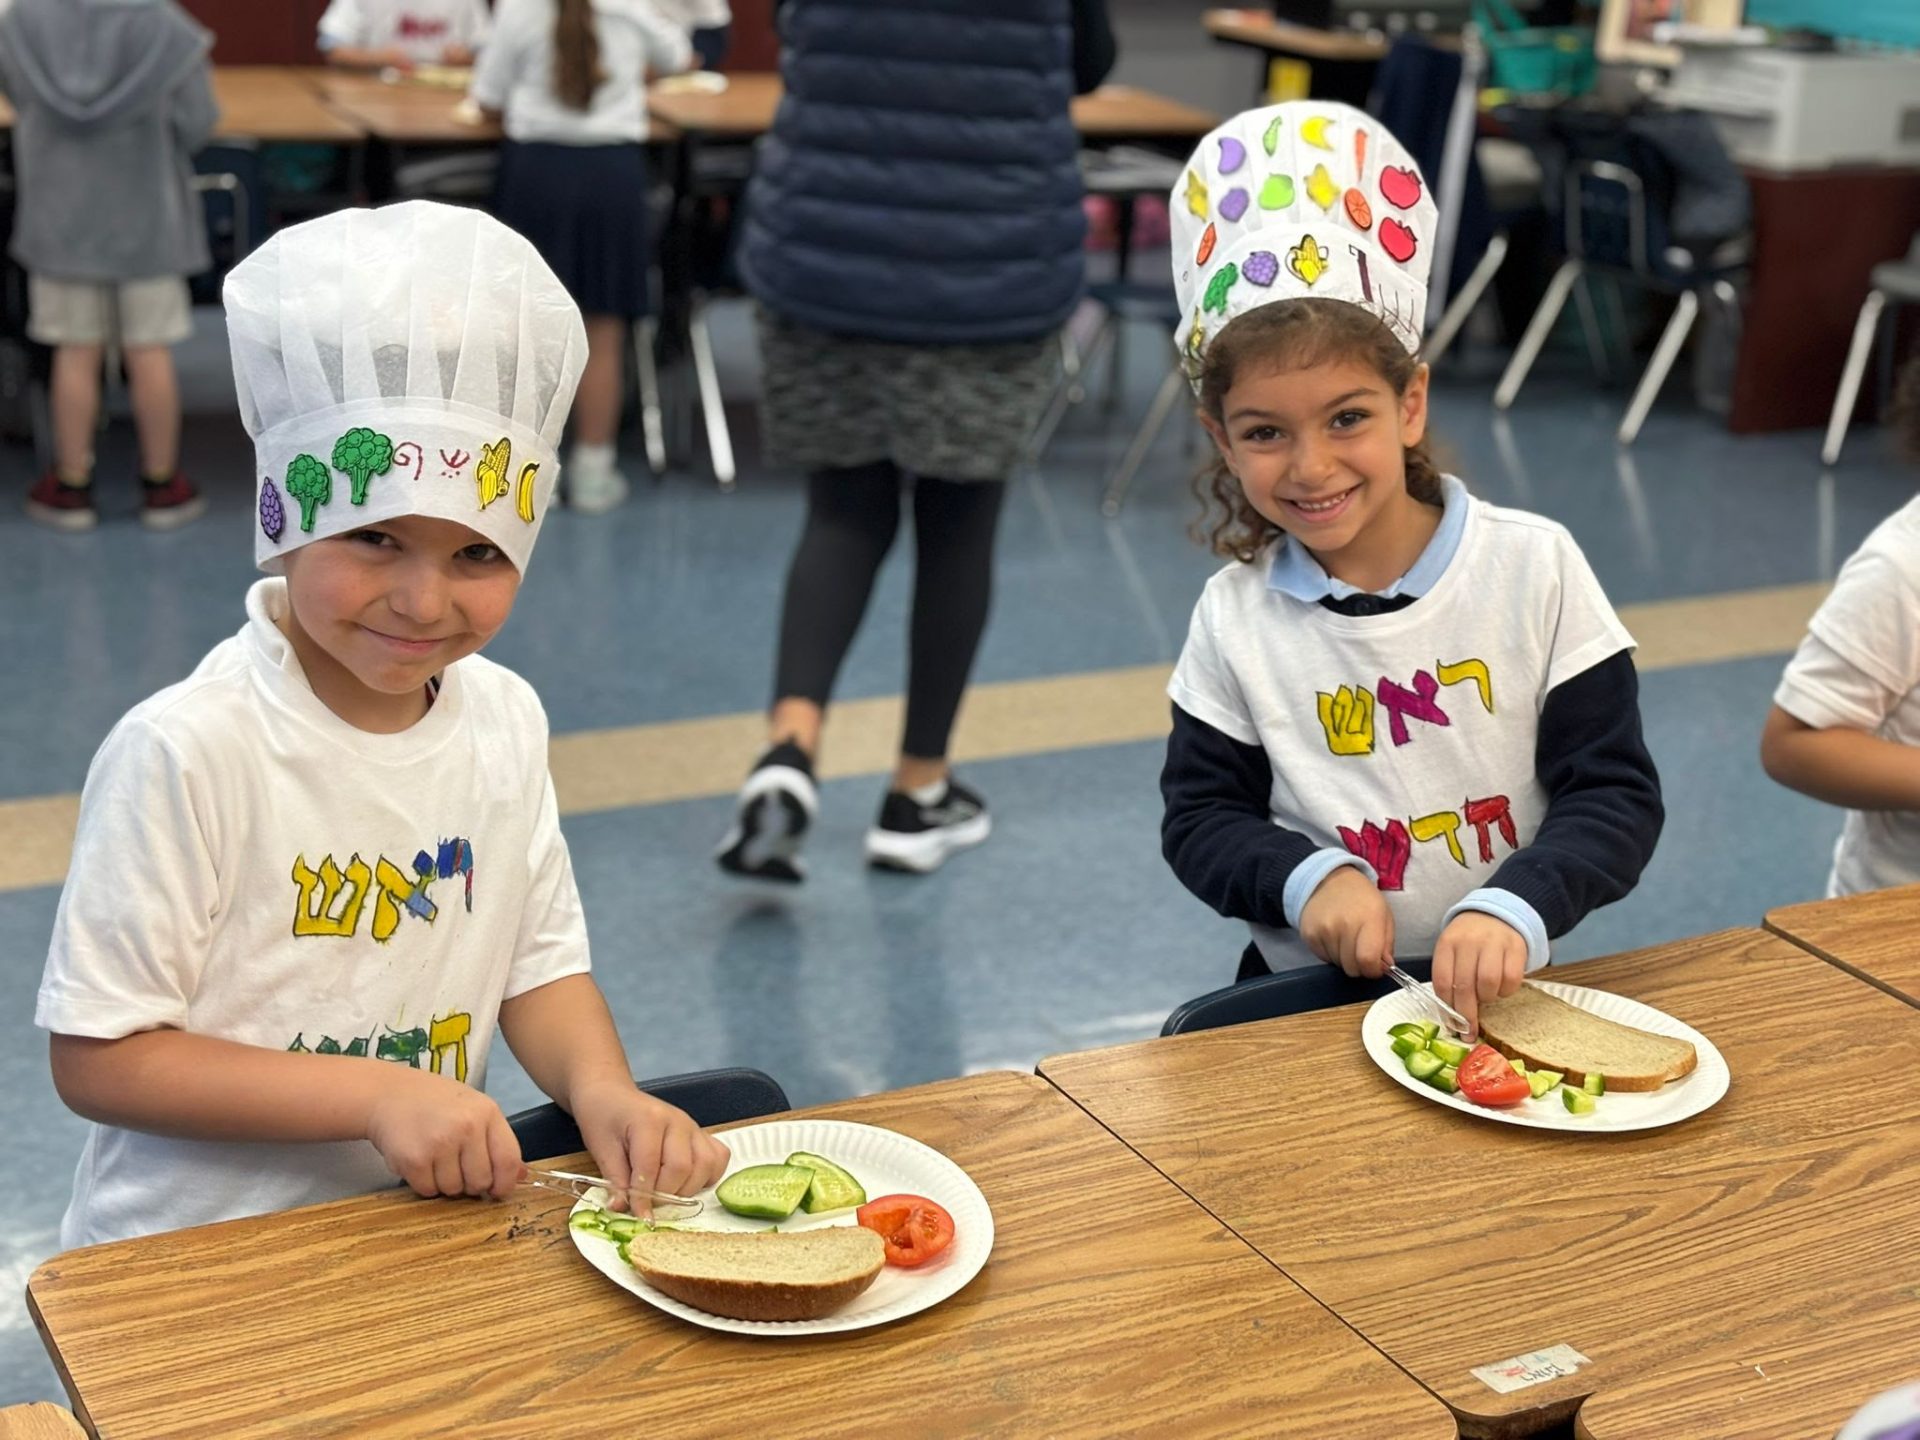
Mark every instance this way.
x=1308 y=198
x=418 y=359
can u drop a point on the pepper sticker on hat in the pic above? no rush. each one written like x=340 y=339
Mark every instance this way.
x=1308 y=198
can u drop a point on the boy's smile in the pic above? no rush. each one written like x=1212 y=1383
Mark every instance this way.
x=376 y=613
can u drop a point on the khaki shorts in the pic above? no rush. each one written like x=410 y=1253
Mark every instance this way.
x=92 y=312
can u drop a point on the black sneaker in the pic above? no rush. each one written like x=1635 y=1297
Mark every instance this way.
x=912 y=836
x=776 y=806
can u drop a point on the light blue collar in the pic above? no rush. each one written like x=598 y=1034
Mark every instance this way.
x=1293 y=570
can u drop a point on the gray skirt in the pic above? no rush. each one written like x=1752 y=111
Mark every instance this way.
x=952 y=412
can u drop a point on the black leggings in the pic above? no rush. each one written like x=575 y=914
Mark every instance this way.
x=852 y=516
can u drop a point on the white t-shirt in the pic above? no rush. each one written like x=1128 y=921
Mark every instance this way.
x=249 y=866
x=1406 y=738
x=515 y=75
x=423 y=29
x=1859 y=669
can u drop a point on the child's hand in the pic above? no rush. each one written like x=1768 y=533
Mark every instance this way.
x=645 y=1143
x=443 y=1137
x=1346 y=922
x=1477 y=959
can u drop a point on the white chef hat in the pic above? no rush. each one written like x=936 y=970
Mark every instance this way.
x=1309 y=198
x=418 y=359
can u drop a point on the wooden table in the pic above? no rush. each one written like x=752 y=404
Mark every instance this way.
x=267 y=102
x=401 y=112
x=745 y=110
x=1111 y=1305
x=1874 y=936
x=1761 y=1232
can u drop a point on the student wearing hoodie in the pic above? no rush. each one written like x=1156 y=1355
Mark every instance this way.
x=113 y=98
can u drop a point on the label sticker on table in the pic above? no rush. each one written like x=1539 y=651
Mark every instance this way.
x=1537 y=1367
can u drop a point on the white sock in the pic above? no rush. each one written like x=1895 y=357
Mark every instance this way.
x=928 y=794
x=592 y=457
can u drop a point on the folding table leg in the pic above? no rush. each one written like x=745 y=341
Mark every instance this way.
x=719 y=440
x=1536 y=334
x=645 y=332
x=1463 y=304
x=1851 y=375
x=1163 y=402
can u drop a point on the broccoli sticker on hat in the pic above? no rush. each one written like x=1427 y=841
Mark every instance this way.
x=1216 y=296
x=490 y=471
x=361 y=454
x=311 y=484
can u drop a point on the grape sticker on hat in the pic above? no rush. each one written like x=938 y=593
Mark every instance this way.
x=1309 y=198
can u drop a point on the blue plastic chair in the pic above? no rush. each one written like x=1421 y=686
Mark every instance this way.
x=711 y=1097
x=1290 y=992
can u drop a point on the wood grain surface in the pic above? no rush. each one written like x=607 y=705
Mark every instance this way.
x=266 y=102
x=1757 y=1231
x=401 y=112
x=1111 y=1305
x=38 y=1422
x=1875 y=936
x=745 y=109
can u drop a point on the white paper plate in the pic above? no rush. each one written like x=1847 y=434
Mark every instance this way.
x=1616 y=1110
x=885 y=1163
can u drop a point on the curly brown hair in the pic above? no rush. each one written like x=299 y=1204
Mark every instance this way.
x=1292 y=334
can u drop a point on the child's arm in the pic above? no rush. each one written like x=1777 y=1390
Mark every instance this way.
x=440 y=1136
x=1604 y=816
x=1222 y=843
x=564 y=1035
x=1840 y=766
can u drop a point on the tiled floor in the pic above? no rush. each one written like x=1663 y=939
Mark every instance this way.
x=1066 y=931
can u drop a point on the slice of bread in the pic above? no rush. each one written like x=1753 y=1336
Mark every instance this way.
x=1549 y=1034
x=801 y=1275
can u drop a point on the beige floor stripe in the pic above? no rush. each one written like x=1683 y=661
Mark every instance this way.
x=686 y=759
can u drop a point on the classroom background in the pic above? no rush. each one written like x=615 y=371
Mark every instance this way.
x=1710 y=501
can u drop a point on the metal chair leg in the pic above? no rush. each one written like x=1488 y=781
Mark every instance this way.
x=1851 y=375
x=1462 y=305
x=1070 y=391
x=1163 y=402
x=719 y=439
x=1590 y=328
x=645 y=332
x=1671 y=339
x=1535 y=337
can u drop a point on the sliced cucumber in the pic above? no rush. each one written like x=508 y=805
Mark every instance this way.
x=1578 y=1102
x=1408 y=1027
x=1595 y=1085
x=765 y=1192
x=1552 y=1077
x=1539 y=1083
x=832 y=1187
x=1405 y=1045
x=1451 y=1052
x=1447 y=1079
x=1519 y=1065
x=1424 y=1064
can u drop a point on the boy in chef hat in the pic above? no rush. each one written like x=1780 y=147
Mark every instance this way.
x=310 y=879
x=1405 y=721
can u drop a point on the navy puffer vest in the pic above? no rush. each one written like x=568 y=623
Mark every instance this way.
x=921 y=182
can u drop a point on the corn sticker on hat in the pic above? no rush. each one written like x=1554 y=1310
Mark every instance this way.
x=417 y=359
x=1309 y=198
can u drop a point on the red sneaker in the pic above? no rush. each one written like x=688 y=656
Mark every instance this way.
x=64 y=507
x=171 y=503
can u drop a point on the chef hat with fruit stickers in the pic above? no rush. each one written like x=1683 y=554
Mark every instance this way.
x=1305 y=199
x=418 y=359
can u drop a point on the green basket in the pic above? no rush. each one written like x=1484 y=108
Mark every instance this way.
x=1534 y=59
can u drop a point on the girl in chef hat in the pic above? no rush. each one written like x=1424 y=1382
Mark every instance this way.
x=1405 y=721
x=313 y=880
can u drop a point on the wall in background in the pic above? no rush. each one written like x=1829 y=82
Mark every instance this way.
x=1892 y=22
x=249 y=32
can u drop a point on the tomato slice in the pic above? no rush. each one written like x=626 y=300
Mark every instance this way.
x=913 y=1227
x=1487 y=1079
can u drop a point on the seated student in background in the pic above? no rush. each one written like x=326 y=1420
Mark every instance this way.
x=371 y=34
x=569 y=80
x=312 y=878
x=707 y=23
x=1845 y=723
x=1405 y=722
